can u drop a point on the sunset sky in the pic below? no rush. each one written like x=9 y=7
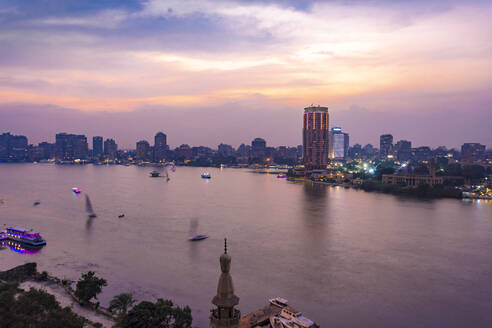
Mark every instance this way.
x=208 y=71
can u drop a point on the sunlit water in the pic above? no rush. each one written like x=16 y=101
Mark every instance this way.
x=345 y=258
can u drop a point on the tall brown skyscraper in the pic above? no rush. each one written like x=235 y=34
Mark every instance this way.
x=316 y=137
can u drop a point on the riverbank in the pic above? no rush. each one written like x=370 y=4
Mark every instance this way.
x=94 y=318
x=422 y=191
x=27 y=277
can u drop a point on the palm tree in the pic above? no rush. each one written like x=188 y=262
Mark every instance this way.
x=120 y=303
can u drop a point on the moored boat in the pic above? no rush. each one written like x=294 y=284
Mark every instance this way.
x=206 y=175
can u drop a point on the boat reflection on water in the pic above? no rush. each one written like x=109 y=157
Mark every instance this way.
x=19 y=247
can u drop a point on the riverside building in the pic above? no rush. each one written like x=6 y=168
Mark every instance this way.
x=385 y=146
x=339 y=144
x=316 y=137
x=160 y=147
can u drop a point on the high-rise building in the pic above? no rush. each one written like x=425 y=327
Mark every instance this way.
x=143 y=151
x=184 y=152
x=472 y=153
x=225 y=150
x=13 y=148
x=369 y=152
x=403 y=150
x=110 y=149
x=423 y=153
x=97 y=147
x=71 y=146
x=243 y=153
x=160 y=147
x=258 y=148
x=339 y=143
x=244 y=150
x=355 y=152
x=385 y=146
x=316 y=137
x=48 y=150
x=299 y=151
x=4 y=146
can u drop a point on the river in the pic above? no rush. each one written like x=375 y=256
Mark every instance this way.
x=345 y=258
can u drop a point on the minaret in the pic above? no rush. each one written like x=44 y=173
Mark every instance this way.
x=225 y=315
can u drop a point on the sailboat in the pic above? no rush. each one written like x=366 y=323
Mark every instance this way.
x=88 y=207
x=167 y=175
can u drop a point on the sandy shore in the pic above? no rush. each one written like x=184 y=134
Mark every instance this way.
x=66 y=300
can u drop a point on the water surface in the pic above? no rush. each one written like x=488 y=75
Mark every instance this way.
x=345 y=258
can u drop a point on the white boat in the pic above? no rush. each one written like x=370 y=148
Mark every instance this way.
x=206 y=175
x=279 y=301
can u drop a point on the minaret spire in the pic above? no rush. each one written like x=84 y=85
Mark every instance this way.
x=225 y=315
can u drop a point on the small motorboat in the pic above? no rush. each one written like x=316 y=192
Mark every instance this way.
x=281 y=176
x=155 y=174
x=76 y=190
x=206 y=175
x=121 y=216
x=36 y=203
x=198 y=237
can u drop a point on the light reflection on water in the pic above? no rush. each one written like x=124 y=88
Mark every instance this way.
x=19 y=248
x=346 y=258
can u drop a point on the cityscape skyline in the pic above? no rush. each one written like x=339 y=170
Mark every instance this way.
x=18 y=123
x=345 y=144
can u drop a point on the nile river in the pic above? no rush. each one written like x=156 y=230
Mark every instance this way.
x=345 y=258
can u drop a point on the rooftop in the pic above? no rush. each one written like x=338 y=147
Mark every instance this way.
x=313 y=108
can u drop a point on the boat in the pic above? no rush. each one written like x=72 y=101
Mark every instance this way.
x=281 y=176
x=275 y=322
x=198 y=237
x=36 y=203
x=206 y=175
x=155 y=174
x=88 y=207
x=121 y=216
x=24 y=236
x=279 y=301
x=76 y=190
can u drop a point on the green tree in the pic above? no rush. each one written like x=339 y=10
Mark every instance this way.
x=35 y=308
x=474 y=172
x=182 y=317
x=160 y=314
x=88 y=286
x=120 y=303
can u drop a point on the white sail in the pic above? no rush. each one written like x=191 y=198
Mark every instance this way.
x=88 y=206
